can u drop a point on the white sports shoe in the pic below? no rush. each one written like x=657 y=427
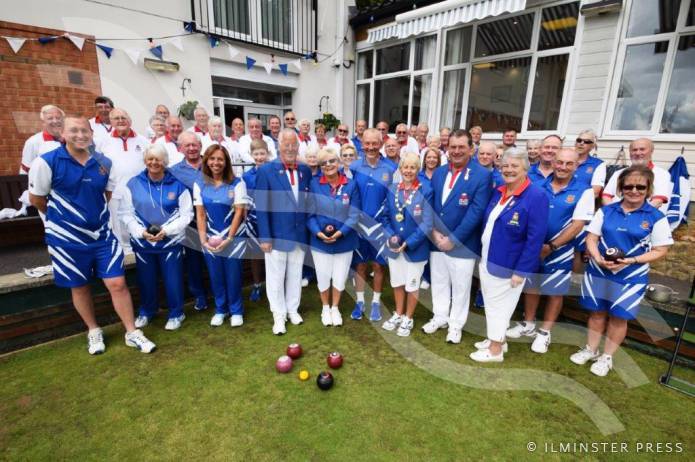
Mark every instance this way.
x=217 y=320
x=236 y=320
x=174 y=323
x=433 y=325
x=305 y=282
x=485 y=345
x=326 y=318
x=295 y=318
x=541 y=342
x=602 y=366
x=584 y=355
x=453 y=336
x=95 y=342
x=336 y=317
x=523 y=328
x=405 y=327
x=137 y=339
x=393 y=322
x=424 y=285
x=484 y=356
x=279 y=324
x=141 y=321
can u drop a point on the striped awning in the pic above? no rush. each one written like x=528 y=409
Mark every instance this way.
x=441 y=15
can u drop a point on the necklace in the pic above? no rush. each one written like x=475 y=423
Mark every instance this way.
x=408 y=200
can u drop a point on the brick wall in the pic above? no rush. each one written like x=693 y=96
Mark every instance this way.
x=56 y=73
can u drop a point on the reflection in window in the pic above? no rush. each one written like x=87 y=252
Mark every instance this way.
x=648 y=17
x=558 y=26
x=498 y=94
x=232 y=15
x=364 y=65
x=393 y=59
x=275 y=24
x=639 y=86
x=679 y=113
x=504 y=36
x=547 y=92
x=691 y=14
x=362 y=109
x=422 y=87
x=452 y=98
x=391 y=100
x=458 y=46
x=425 y=50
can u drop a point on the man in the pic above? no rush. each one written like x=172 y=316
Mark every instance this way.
x=291 y=121
x=421 y=132
x=641 y=151
x=571 y=207
x=255 y=132
x=281 y=193
x=237 y=129
x=590 y=169
x=509 y=138
x=360 y=127
x=200 y=127
x=100 y=123
x=462 y=191
x=44 y=141
x=392 y=154
x=412 y=131
x=307 y=141
x=174 y=127
x=444 y=134
x=72 y=186
x=550 y=146
x=487 y=153
x=407 y=143
x=187 y=172
x=476 y=132
x=274 y=126
x=341 y=138
x=373 y=175
x=383 y=128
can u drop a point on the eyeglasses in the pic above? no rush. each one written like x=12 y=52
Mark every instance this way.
x=328 y=162
x=289 y=119
x=632 y=187
x=342 y=131
x=582 y=140
x=401 y=133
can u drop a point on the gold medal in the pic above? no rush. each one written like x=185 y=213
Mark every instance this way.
x=399 y=217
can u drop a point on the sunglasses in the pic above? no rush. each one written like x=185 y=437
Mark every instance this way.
x=289 y=119
x=401 y=133
x=582 y=140
x=328 y=162
x=632 y=187
x=342 y=131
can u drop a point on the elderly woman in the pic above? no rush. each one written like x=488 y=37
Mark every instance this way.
x=334 y=210
x=155 y=209
x=216 y=135
x=311 y=159
x=320 y=130
x=157 y=127
x=591 y=170
x=407 y=223
x=348 y=154
x=516 y=220
x=623 y=238
x=533 y=150
x=220 y=201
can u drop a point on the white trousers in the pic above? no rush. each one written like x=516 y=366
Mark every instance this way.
x=500 y=302
x=283 y=280
x=331 y=267
x=406 y=273
x=117 y=227
x=451 y=288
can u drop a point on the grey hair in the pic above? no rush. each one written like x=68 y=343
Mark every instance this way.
x=199 y=109
x=285 y=132
x=157 y=150
x=588 y=132
x=533 y=142
x=410 y=157
x=156 y=117
x=214 y=120
x=50 y=107
x=517 y=153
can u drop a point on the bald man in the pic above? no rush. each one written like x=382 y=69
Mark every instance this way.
x=200 y=127
x=170 y=140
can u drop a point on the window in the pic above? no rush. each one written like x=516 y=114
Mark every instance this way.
x=504 y=36
x=274 y=15
x=362 y=107
x=425 y=52
x=391 y=100
x=364 y=65
x=452 y=98
x=232 y=15
x=548 y=89
x=653 y=92
x=458 y=46
x=393 y=59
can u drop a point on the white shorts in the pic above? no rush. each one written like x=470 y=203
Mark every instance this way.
x=331 y=267
x=406 y=273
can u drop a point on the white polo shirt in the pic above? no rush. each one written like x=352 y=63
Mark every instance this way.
x=200 y=133
x=245 y=148
x=232 y=148
x=37 y=144
x=663 y=187
x=101 y=130
x=335 y=145
x=126 y=154
x=172 y=148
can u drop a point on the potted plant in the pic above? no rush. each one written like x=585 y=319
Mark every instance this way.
x=187 y=108
x=328 y=120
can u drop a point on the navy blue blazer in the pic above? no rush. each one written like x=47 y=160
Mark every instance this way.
x=461 y=216
x=416 y=226
x=281 y=217
x=341 y=211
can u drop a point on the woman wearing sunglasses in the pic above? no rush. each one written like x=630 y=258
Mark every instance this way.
x=623 y=238
x=334 y=208
x=591 y=170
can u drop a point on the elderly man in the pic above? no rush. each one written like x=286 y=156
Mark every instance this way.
x=216 y=135
x=46 y=140
x=590 y=170
x=392 y=154
x=383 y=128
x=170 y=140
x=274 y=126
x=641 y=151
x=307 y=141
x=550 y=146
x=487 y=153
x=71 y=185
x=421 y=133
x=255 y=132
x=476 y=132
x=373 y=175
x=360 y=127
x=237 y=129
x=444 y=134
x=281 y=194
x=509 y=138
x=461 y=190
x=200 y=127
x=100 y=123
x=291 y=121
x=340 y=139
x=571 y=207
x=407 y=143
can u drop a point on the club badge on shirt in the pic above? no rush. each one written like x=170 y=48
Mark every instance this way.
x=589 y=169
x=463 y=200
x=417 y=211
x=171 y=196
x=230 y=194
x=102 y=170
x=345 y=199
x=644 y=225
x=515 y=219
x=570 y=198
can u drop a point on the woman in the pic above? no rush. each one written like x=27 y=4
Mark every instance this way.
x=432 y=159
x=220 y=201
x=216 y=135
x=348 y=154
x=155 y=209
x=311 y=158
x=516 y=220
x=612 y=289
x=157 y=127
x=320 y=130
x=259 y=152
x=533 y=150
x=407 y=223
x=334 y=210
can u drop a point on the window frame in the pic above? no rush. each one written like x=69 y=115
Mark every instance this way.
x=672 y=38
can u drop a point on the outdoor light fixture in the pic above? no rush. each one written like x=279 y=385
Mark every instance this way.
x=601 y=7
x=161 y=66
x=183 y=86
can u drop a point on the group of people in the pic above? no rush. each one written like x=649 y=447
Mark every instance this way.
x=433 y=209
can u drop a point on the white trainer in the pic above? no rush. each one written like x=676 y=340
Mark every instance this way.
x=305 y=282
x=541 y=342
x=484 y=356
x=174 y=323
x=279 y=324
x=393 y=322
x=295 y=318
x=141 y=321
x=523 y=328
x=433 y=325
x=602 y=366
x=405 y=327
x=217 y=320
x=236 y=320
x=95 y=341
x=326 y=318
x=137 y=339
x=424 y=285
x=485 y=345
x=453 y=336
x=336 y=317
x=584 y=355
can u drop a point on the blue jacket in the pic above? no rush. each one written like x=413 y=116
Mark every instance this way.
x=251 y=219
x=341 y=210
x=461 y=216
x=416 y=226
x=281 y=217
x=518 y=233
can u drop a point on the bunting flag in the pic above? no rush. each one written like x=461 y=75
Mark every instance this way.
x=189 y=26
x=233 y=52
x=45 y=40
x=268 y=67
x=157 y=51
x=283 y=69
x=176 y=41
x=297 y=63
x=108 y=51
x=214 y=41
x=15 y=43
x=134 y=55
x=249 y=62
x=77 y=41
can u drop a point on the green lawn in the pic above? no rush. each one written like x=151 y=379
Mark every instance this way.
x=214 y=394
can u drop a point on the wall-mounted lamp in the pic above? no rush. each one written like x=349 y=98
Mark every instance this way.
x=161 y=66
x=183 y=86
